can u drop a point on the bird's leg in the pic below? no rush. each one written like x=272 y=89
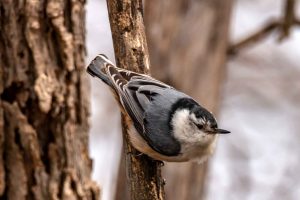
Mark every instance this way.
x=161 y=163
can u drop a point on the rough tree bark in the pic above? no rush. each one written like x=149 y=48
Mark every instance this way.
x=127 y=26
x=187 y=43
x=44 y=102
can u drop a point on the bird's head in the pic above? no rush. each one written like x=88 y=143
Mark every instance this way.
x=194 y=125
x=204 y=121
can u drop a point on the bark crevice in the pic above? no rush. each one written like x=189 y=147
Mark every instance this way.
x=44 y=104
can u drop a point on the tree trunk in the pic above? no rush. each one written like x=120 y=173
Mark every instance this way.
x=187 y=44
x=126 y=20
x=44 y=102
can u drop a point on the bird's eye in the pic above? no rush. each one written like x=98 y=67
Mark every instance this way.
x=199 y=126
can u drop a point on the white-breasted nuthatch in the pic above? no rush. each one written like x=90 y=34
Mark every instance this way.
x=164 y=123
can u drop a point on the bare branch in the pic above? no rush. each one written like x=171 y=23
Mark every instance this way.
x=126 y=20
x=288 y=19
x=283 y=26
x=252 y=39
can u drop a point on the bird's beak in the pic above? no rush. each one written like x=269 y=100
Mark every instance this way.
x=221 y=131
x=218 y=131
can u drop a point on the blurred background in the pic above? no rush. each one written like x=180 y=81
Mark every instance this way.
x=259 y=103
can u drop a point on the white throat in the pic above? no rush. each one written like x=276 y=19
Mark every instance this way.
x=191 y=138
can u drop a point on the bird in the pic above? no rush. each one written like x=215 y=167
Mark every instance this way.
x=163 y=123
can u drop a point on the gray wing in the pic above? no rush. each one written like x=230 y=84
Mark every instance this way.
x=157 y=122
x=152 y=105
x=148 y=102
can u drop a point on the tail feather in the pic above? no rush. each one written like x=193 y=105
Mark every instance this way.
x=98 y=68
x=118 y=80
x=102 y=68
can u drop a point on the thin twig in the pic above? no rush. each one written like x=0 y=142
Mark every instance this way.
x=288 y=19
x=284 y=26
x=256 y=37
x=297 y=22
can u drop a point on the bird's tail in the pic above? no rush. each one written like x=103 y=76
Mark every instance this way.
x=98 y=68
x=113 y=76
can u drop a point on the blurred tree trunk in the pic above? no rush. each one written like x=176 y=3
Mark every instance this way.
x=127 y=26
x=44 y=102
x=187 y=43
